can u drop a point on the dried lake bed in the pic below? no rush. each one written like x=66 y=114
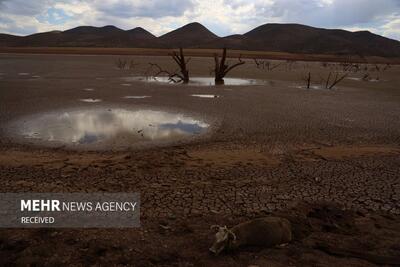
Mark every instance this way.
x=267 y=148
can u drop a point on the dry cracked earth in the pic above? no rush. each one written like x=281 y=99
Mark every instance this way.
x=328 y=160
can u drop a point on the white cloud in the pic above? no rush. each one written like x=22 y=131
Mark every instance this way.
x=325 y=13
x=74 y=8
x=140 y=8
x=392 y=28
x=25 y=8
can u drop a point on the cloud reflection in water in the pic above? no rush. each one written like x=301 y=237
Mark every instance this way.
x=97 y=125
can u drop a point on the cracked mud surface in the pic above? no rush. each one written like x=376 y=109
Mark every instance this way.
x=329 y=161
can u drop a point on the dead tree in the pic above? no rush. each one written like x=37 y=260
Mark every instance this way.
x=333 y=79
x=121 y=63
x=366 y=77
x=337 y=79
x=174 y=77
x=221 y=67
x=265 y=64
x=387 y=67
x=182 y=63
x=159 y=71
x=289 y=64
x=307 y=79
x=132 y=65
x=124 y=64
x=328 y=80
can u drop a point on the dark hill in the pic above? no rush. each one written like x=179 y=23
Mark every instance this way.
x=109 y=29
x=294 y=38
x=88 y=36
x=297 y=38
x=8 y=39
x=190 y=35
x=141 y=33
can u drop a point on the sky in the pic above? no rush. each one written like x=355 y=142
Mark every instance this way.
x=223 y=17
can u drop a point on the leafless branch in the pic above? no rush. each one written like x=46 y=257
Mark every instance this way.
x=265 y=64
x=306 y=77
x=175 y=77
x=221 y=68
x=182 y=63
x=122 y=64
x=338 y=79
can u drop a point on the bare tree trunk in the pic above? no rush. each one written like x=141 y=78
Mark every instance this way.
x=174 y=77
x=327 y=80
x=182 y=63
x=221 y=68
x=338 y=79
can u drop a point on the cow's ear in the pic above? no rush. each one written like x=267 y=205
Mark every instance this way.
x=231 y=240
x=215 y=227
x=231 y=236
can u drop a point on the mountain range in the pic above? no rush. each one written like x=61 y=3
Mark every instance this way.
x=292 y=38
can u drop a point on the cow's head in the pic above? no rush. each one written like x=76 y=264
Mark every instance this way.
x=223 y=239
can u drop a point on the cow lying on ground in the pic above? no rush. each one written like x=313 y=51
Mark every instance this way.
x=264 y=232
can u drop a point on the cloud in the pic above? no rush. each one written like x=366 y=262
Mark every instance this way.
x=392 y=28
x=22 y=7
x=321 y=13
x=139 y=8
x=223 y=17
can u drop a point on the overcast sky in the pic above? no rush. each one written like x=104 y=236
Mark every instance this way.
x=223 y=17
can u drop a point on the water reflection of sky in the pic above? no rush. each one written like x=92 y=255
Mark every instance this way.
x=90 y=100
x=206 y=96
x=190 y=128
x=96 y=125
x=197 y=81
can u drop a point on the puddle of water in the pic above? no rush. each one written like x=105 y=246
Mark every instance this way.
x=312 y=87
x=354 y=78
x=369 y=80
x=196 y=81
x=23 y=73
x=206 y=96
x=126 y=84
x=109 y=127
x=88 y=89
x=90 y=100
x=136 y=96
